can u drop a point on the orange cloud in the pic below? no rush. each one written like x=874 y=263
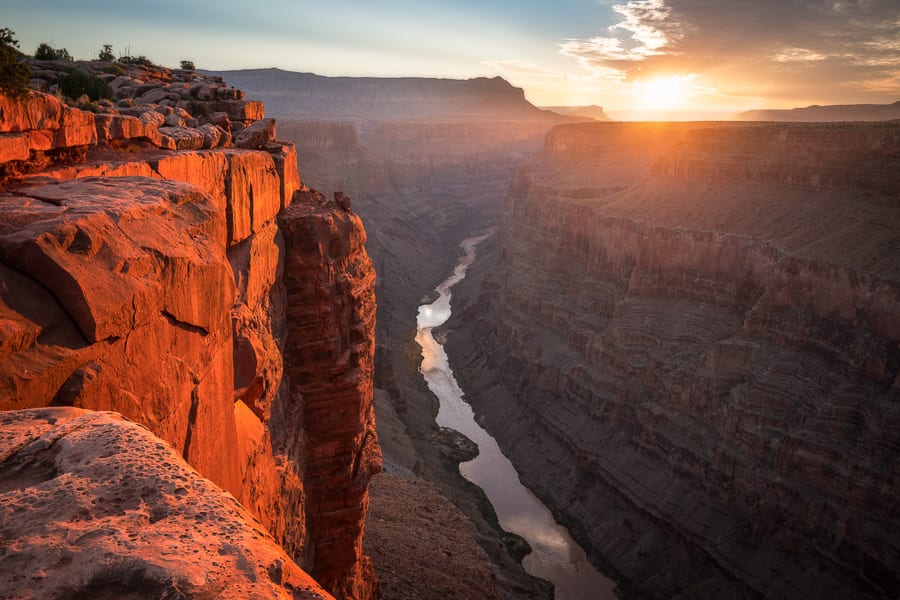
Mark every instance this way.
x=805 y=49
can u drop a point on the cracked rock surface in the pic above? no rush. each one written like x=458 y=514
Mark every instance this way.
x=93 y=505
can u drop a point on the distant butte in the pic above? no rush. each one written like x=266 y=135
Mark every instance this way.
x=837 y=112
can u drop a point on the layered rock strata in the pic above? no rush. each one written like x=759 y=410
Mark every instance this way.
x=329 y=357
x=151 y=107
x=95 y=506
x=149 y=283
x=687 y=340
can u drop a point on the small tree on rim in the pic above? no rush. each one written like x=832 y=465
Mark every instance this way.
x=14 y=76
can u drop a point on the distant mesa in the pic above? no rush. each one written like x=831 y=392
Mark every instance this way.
x=288 y=94
x=821 y=114
x=587 y=112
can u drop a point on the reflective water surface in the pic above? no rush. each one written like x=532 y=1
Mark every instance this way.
x=556 y=557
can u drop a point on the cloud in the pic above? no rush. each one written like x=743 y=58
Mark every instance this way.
x=636 y=37
x=797 y=55
x=791 y=48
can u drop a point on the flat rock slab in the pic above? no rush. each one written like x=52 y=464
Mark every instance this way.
x=93 y=505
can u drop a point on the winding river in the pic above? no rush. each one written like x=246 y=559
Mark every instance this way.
x=555 y=556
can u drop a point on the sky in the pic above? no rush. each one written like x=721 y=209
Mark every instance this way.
x=658 y=58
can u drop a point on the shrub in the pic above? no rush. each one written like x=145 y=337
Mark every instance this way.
x=187 y=65
x=47 y=52
x=14 y=76
x=78 y=83
x=106 y=53
x=113 y=69
x=136 y=60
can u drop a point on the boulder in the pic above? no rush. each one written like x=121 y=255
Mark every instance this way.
x=256 y=135
x=14 y=146
x=76 y=128
x=182 y=138
x=153 y=96
x=110 y=127
x=213 y=136
x=34 y=111
x=96 y=506
x=220 y=119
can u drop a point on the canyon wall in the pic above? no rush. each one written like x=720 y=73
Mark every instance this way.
x=686 y=337
x=142 y=274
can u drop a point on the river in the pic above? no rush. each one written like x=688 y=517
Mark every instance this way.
x=555 y=556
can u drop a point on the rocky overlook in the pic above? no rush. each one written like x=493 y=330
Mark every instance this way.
x=158 y=255
x=687 y=339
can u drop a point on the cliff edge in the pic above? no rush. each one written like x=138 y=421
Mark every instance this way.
x=156 y=260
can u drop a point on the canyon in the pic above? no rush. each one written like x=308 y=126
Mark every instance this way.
x=685 y=336
x=423 y=177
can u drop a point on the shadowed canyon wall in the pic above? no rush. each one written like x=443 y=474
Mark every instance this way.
x=185 y=290
x=686 y=337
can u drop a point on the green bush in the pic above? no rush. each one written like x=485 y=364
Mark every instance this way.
x=47 y=52
x=74 y=85
x=14 y=76
x=187 y=65
x=106 y=53
x=113 y=69
x=136 y=60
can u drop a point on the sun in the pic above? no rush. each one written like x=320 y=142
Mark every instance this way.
x=664 y=93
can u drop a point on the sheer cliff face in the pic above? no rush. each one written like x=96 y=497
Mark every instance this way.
x=329 y=358
x=687 y=338
x=165 y=286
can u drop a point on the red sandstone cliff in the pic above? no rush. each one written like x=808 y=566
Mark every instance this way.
x=329 y=358
x=151 y=282
x=687 y=339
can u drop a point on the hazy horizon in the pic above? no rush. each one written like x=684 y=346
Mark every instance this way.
x=649 y=58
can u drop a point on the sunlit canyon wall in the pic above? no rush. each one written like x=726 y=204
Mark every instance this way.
x=151 y=267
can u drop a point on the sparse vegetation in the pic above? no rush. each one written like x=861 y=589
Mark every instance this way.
x=78 y=83
x=136 y=60
x=47 y=52
x=113 y=69
x=187 y=65
x=14 y=76
x=106 y=53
